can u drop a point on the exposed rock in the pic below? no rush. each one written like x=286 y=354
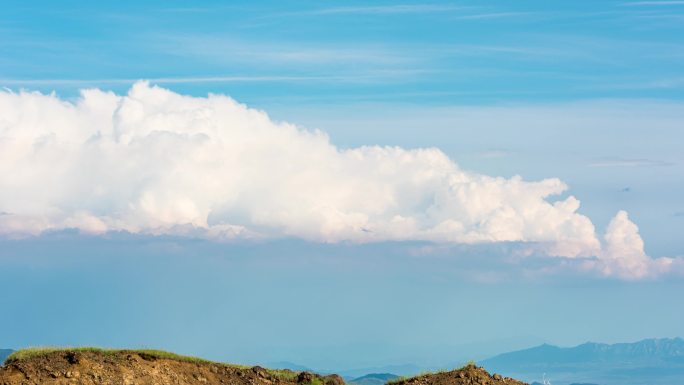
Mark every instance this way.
x=305 y=378
x=468 y=375
x=333 y=379
x=127 y=367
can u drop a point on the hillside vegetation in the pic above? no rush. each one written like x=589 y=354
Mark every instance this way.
x=467 y=375
x=94 y=366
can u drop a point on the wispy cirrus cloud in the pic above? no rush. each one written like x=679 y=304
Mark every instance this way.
x=656 y=84
x=230 y=50
x=177 y=80
x=493 y=15
x=381 y=9
x=623 y=162
x=452 y=11
x=654 y=3
x=494 y=154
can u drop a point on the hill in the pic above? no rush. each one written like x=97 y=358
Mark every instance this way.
x=469 y=375
x=652 y=361
x=90 y=366
x=400 y=370
x=373 y=379
x=539 y=383
x=288 y=365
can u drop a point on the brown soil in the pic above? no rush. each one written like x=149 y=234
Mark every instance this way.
x=468 y=375
x=131 y=368
x=135 y=368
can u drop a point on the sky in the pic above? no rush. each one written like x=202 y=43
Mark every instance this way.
x=341 y=184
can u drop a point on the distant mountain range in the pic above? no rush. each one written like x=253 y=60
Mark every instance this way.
x=584 y=383
x=646 y=362
x=398 y=370
x=650 y=361
x=288 y=365
x=354 y=376
x=373 y=379
x=4 y=353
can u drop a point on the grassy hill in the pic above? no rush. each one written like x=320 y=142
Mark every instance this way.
x=95 y=366
x=467 y=375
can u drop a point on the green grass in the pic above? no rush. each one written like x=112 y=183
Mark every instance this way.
x=428 y=372
x=285 y=375
x=421 y=374
x=37 y=352
x=29 y=353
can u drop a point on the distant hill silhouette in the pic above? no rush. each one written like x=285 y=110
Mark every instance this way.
x=288 y=365
x=373 y=379
x=4 y=353
x=574 y=383
x=652 y=361
x=399 y=370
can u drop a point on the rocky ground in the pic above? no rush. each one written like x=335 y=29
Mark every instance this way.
x=91 y=367
x=133 y=368
x=468 y=375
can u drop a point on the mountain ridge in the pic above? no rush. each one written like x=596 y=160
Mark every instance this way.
x=373 y=379
x=653 y=360
x=646 y=348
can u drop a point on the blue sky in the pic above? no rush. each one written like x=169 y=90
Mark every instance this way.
x=589 y=92
x=437 y=53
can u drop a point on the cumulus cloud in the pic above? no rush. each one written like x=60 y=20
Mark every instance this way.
x=623 y=253
x=157 y=162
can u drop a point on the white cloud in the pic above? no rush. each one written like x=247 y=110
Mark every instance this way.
x=623 y=253
x=156 y=162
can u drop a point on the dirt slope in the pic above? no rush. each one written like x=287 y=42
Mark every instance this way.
x=468 y=375
x=129 y=368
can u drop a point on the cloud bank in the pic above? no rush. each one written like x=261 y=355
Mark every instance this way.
x=157 y=162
